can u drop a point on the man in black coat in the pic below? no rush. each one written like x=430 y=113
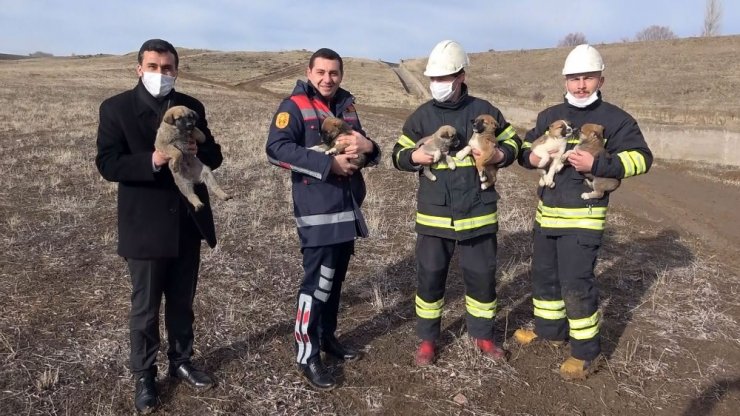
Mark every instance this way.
x=159 y=232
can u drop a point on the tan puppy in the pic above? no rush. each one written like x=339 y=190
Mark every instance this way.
x=331 y=129
x=438 y=145
x=556 y=138
x=176 y=130
x=483 y=139
x=591 y=140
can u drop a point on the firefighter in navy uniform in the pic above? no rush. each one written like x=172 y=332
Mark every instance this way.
x=453 y=212
x=327 y=194
x=568 y=229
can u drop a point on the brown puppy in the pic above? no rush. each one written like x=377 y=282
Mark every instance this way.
x=591 y=140
x=483 y=139
x=176 y=130
x=556 y=138
x=331 y=129
x=438 y=145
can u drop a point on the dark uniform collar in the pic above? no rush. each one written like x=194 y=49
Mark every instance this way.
x=158 y=105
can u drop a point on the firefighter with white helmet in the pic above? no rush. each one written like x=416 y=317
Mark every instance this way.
x=568 y=229
x=453 y=212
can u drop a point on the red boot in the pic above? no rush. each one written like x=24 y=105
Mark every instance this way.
x=490 y=349
x=425 y=354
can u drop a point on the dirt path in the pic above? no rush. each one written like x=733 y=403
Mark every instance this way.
x=694 y=205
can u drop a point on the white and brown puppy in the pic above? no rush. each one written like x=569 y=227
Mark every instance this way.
x=176 y=130
x=438 y=145
x=331 y=129
x=591 y=140
x=484 y=140
x=556 y=138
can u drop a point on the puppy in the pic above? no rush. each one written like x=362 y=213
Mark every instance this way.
x=556 y=138
x=438 y=145
x=174 y=133
x=591 y=140
x=483 y=139
x=331 y=129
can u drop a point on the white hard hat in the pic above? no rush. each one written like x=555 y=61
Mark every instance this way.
x=583 y=58
x=447 y=57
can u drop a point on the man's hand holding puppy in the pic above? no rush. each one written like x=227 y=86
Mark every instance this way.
x=160 y=158
x=356 y=143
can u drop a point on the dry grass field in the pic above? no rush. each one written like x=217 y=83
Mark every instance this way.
x=668 y=272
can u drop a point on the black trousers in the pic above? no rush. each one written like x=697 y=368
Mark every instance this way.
x=565 y=296
x=176 y=279
x=318 y=297
x=478 y=263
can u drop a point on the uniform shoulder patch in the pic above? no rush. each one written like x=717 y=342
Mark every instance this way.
x=282 y=119
x=350 y=109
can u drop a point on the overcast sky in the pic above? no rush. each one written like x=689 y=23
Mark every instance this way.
x=387 y=30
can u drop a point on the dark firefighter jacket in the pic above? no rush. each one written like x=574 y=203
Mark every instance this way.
x=454 y=206
x=326 y=206
x=561 y=210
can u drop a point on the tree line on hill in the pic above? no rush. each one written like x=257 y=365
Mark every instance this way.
x=710 y=27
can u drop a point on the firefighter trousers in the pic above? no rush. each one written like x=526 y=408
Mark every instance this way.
x=478 y=263
x=318 y=297
x=564 y=293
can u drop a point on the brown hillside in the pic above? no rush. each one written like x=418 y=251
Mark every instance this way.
x=683 y=81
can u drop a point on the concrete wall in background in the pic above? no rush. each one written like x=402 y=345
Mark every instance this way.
x=715 y=146
x=666 y=142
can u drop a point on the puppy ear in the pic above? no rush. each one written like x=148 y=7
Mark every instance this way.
x=169 y=117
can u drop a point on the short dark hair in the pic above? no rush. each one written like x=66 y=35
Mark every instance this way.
x=329 y=54
x=159 y=46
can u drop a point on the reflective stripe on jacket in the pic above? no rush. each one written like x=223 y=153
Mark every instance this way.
x=326 y=206
x=454 y=206
x=561 y=209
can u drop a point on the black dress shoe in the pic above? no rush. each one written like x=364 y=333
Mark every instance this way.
x=145 y=397
x=332 y=346
x=317 y=375
x=192 y=376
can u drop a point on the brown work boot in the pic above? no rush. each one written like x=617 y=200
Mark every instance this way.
x=524 y=336
x=575 y=369
x=425 y=353
x=489 y=348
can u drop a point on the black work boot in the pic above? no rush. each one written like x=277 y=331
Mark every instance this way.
x=145 y=396
x=317 y=375
x=333 y=347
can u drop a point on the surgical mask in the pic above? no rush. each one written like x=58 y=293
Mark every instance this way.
x=158 y=84
x=442 y=90
x=582 y=102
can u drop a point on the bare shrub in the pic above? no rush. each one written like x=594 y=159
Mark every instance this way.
x=538 y=96
x=655 y=32
x=573 y=39
x=712 y=17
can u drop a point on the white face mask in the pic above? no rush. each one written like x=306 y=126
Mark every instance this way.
x=442 y=90
x=582 y=102
x=157 y=84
